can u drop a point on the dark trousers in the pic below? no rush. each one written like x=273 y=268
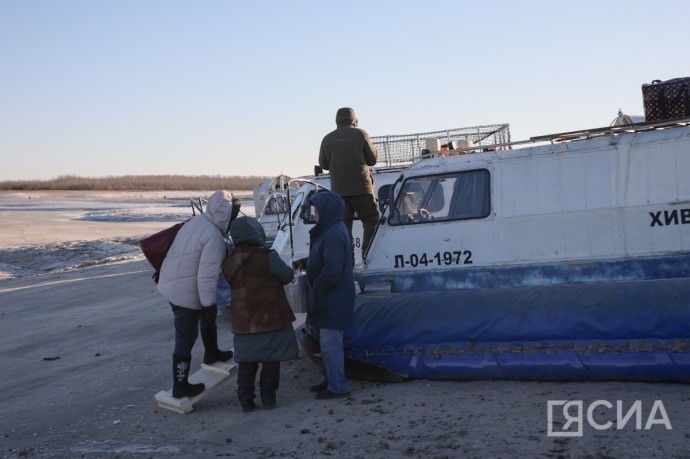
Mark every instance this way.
x=367 y=210
x=269 y=380
x=186 y=329
x=207 y=319
x=188 y=322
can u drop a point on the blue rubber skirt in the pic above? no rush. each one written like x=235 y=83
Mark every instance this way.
x=636 y=330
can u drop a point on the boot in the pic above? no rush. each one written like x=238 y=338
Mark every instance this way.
x=247 y=406
x=181 y=386
x=269 y=382
x=246 y=376
x=209 y=336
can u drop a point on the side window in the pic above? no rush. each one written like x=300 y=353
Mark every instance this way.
x=471 y=196
x=308 y=213
x=409 y=205
x=457 y=196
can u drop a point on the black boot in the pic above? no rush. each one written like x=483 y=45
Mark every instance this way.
x=209 y=336
x=269 y=382
x=246 y=376
x=181 y=386
x=247 y=406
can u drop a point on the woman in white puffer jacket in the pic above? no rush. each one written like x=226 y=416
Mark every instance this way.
x=189 y=281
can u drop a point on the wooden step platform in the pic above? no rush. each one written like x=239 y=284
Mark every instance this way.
x=212 y=376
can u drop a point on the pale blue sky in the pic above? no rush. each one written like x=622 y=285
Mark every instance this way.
x=104 y=87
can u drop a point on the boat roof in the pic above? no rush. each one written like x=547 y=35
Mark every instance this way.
x=481 y=154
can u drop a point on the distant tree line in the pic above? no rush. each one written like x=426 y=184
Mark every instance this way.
x=137 y=183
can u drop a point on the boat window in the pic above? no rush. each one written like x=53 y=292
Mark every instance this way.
x=296 y=206
x=276 y=205
x=308 y=214
x=457 y=196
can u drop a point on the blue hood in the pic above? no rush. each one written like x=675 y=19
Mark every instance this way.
x=330 y=207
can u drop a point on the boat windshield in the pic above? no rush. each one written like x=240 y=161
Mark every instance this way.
x=276 y=205
x=454 y=196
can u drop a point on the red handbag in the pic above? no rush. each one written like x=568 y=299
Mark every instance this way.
x=156 y=246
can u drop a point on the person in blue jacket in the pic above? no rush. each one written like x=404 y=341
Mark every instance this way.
x=332 y=289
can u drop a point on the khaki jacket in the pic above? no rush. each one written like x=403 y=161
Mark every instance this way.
x=347 y=153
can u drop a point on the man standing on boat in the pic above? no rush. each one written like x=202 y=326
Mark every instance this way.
x=347 y=153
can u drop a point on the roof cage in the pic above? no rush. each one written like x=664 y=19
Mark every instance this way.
x=397 y=149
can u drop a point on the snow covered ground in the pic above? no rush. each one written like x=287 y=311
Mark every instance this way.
x=45 y=232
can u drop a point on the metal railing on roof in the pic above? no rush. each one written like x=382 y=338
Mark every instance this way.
x=611 y=130
x=398 y=149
